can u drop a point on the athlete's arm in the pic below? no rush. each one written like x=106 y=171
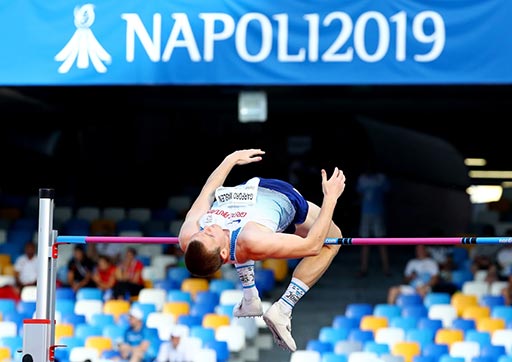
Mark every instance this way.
x=260 y=243
x=206 y=197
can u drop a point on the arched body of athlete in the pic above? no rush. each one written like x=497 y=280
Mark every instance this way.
x=261 y=219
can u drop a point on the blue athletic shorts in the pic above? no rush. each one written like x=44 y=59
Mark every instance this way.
x=298 y=201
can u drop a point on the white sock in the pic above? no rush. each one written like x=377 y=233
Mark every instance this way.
x=296 y=290
x=246 y=274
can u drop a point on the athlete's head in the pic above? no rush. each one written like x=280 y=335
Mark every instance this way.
x=202 y=261
x=206 y=251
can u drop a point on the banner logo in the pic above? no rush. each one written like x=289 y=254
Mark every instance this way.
x=83 y=47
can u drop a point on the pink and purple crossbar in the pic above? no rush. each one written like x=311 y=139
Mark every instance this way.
x=329 y=241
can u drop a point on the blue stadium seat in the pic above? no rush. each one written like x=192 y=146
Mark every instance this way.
x=428 y=323
x=405 y=300
x=358 y=310
x=65 y=306
x=76 y=226
x=319 y=346
x=342 y=321
x=359 y=335
x=221 y=348
x=460 y=276
x=189 y=320
x=334 y=357
x=146 y=308
x=218 y=285
x=415 y=310
x=376 y=347
x=405 y=323
x=265 y=280
x=89 y=293
x=65 y=293
x=459 y=256
x=176 y=295
x=26 y=307
x=502 y=311
x=114 y=332
x=482 y=337
x=128 y=225
x=111 y=355
x=86 y=330
x=225 y=309
x=435 y=350
x=25 y=223
x=493 y=351
x=101 y=320
x=419 y=358
x=492 y=301
x=15 y=343
x=205 y=334
x=436 y=298
x=15 y=317
x=483 y=359
x=332 y=334
x=178 y=274
x=201 y=309
x=207 y=297
x=422 y=336
x=7 y=305
x=387 y=310
x=71 y=342
x=448 y=358
x=73 y=318
x=166 y=284
x=464 y=324
x=163 y=214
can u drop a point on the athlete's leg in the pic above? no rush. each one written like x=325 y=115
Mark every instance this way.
x=306 y=274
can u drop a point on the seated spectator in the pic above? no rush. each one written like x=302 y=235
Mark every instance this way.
x=170 y=351
x=80 y=269
x=443 y=255
x=113 y=250
x=26 y=267
x=129 y=280
x=504 y=259
x=104 y=276
x=136 y=341
x=507 y=291
x=421 y=275
x=483 y=256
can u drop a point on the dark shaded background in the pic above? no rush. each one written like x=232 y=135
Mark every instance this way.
x=135 y=146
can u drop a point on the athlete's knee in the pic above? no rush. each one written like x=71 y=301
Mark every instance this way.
x=334 y=231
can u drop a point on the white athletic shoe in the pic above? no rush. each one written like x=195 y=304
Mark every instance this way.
x=279 y=323
x=251 y=308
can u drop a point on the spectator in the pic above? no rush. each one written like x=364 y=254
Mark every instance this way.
x=483 y=256
x=170 y=351
x=136 y=342
x=104 y=275
x=443 y=255
x=129 y=280
x=80 y=269
x=504 y=259
x=26 y=267
x=373 y=185
x=507 y=291
x=421 y=274
x=104 y=227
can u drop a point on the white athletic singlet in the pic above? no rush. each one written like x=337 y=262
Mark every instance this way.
x=235 y=206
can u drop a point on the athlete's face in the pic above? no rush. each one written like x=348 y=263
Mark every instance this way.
x=211 y=236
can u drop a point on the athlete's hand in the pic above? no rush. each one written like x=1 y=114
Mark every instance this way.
x=335 y=185
x=243 y=157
